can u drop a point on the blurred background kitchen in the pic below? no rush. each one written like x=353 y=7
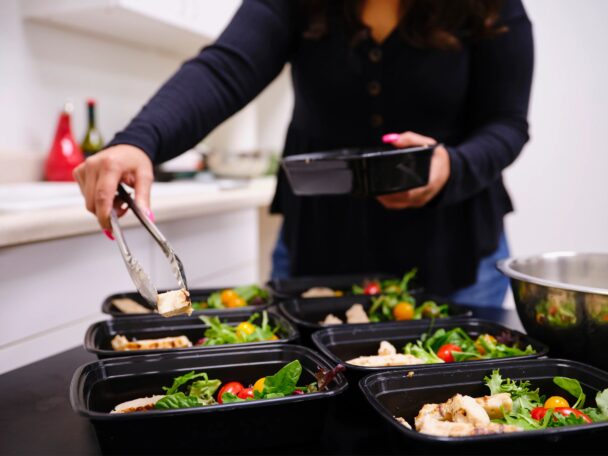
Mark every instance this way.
x=110 y=56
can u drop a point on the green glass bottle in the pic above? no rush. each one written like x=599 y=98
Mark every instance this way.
x=92 y=142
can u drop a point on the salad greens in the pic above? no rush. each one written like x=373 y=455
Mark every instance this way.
x=394 y=301
x=281 y=384
x=197 y=389
x=247 y=295
x=200 y=392
x=220 y=333
x=456 y=345
x=561 y=314
x=529 y=413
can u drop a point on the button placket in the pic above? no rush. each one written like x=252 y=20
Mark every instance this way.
x=374 y=86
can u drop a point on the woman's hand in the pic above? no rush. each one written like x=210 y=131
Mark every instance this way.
x=100 y=175
x=438 y=175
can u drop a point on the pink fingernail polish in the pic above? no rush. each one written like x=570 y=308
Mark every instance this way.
x=150 y=214
x=108 y=234
x=390 y=137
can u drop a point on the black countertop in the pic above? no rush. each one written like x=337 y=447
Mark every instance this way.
x=36 y=416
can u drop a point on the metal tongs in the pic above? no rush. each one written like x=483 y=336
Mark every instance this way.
x=138 y=275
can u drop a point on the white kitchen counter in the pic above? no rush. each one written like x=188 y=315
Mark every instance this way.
x=43 y=211
x=56 y=267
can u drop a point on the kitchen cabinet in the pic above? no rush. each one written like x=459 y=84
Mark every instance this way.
x=178 y=27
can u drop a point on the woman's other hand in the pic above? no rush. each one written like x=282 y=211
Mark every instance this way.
x=438 y=175
x=100 y=175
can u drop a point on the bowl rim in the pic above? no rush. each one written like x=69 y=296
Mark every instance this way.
x=505 y=266
x=363 y=153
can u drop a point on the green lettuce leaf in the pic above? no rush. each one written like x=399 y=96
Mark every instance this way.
x=179 y=381
x=177 y=400
x=204 y=390
x=284 y=381
x=573 y=386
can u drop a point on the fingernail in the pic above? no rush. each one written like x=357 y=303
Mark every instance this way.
x=108 y=234
x=150 y=214
x=390 y=137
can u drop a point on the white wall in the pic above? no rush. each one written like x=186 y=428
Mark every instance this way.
x=559 y=183
x=42 y=65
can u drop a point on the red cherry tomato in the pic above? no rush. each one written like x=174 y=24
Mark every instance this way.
x=538 y=413
x=230 y=387
x=372 y=288
x=246 y=393
x=445 y=352
x=568 y=410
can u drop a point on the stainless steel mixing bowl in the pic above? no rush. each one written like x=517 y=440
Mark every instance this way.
x=562 y=300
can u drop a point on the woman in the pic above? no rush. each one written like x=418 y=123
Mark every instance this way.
x=456 y=73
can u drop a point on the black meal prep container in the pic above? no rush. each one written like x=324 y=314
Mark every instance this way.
x=391 y=393
x=306 y=313
x=341 y=343
x=344 y=342
x=196 y=294
x=98 y=337
x=295 y=423
x=361 y=172
x=294 y=287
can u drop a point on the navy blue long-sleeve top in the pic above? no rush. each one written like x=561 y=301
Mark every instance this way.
x=475 y=101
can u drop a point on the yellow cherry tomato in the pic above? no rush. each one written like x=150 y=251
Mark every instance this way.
x=227 y=296
x=556 y=401
x=259 y=385
x=479 y=346
x=403 y=311
x=237 y=302
x=274 y=337
x=244 y=329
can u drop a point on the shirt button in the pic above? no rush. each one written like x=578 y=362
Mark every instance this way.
x=375 y=55
x=374 y=88
x=376 y=120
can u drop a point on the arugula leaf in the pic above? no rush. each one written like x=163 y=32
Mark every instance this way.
x=284 y=381
x=573 y=386
x=177 y=400
x=204 y=390
x=182 y=380
x=417 y=350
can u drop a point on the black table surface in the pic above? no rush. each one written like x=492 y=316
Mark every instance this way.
x=36 y=416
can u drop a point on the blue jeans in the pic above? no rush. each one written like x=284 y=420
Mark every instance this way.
x=488 y=291
x=280 y=258
x=491 y=286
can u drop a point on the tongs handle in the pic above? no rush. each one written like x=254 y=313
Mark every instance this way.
x=176 y=264
x=124 y=195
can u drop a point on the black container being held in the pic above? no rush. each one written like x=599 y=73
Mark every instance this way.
x=98 y=338
x=361 y=172
x=289 y=423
